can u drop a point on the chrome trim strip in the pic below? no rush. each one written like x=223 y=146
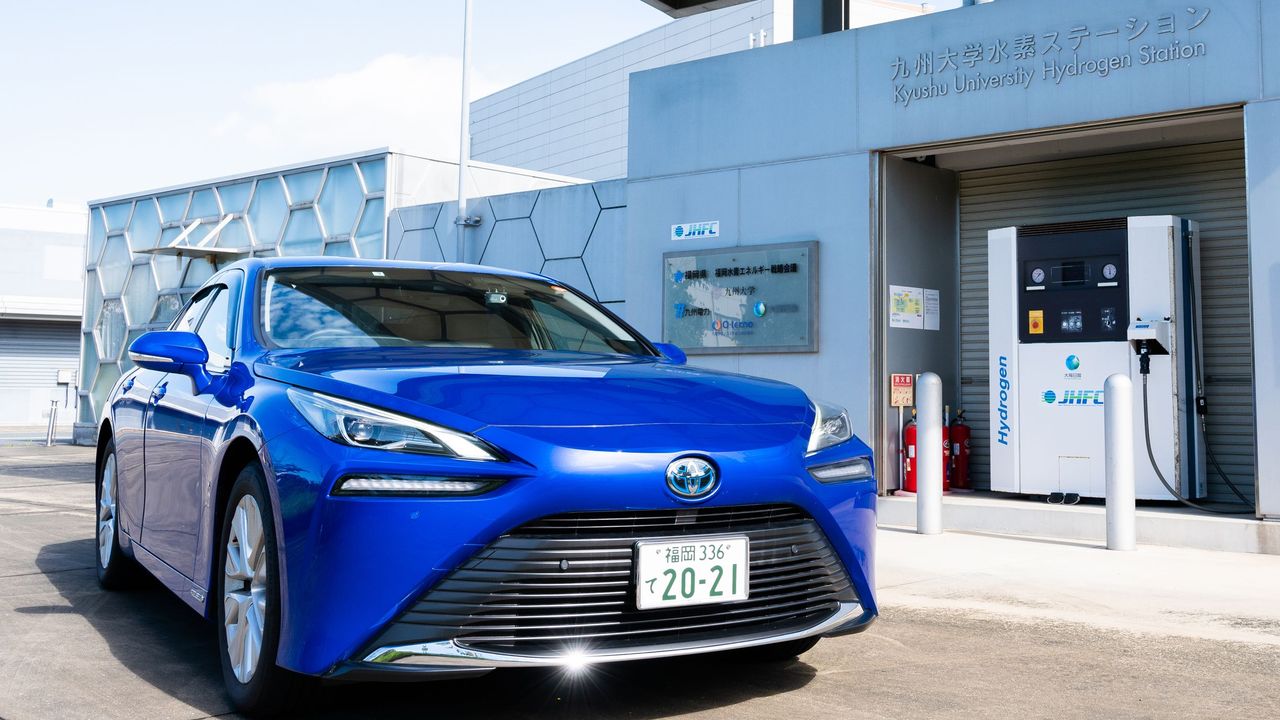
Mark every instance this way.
x=143 y=357
x=448 y=654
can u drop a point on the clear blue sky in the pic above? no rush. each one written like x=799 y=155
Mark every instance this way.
x=102 y=98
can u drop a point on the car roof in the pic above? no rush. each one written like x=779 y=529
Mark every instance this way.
x=253 y=265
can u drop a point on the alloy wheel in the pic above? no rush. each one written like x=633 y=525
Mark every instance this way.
x=107 y=511
x=244 y=589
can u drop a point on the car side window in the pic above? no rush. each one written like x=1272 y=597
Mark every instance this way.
x=213 y=331
x=190 y=318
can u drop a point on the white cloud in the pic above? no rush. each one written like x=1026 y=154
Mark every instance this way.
x=406 y=101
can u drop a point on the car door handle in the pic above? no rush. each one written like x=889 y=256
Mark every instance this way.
x=159 y=393
x=127 y=386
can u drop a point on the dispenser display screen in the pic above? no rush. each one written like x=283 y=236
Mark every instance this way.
x=1071 y=273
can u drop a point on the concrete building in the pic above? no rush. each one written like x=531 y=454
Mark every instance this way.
x=910 y=140
x=41 y=281
x=573 y=120
x=837 y=167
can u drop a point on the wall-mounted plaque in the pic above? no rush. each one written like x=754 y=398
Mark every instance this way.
x=749 y=299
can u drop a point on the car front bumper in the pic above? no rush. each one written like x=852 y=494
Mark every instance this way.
x=447 y=655
x=353 y=565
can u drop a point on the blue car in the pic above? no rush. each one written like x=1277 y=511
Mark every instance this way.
x=368 y=469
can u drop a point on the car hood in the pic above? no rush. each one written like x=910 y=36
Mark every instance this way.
x=541 y=388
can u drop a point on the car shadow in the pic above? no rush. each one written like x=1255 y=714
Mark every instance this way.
x=635 y=690
x=159 y=639
x=148 y=630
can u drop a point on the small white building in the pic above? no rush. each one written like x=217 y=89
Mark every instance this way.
x=41 y=289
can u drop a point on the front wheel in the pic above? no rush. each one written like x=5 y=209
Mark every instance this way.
x=116 y=571
x=249 y=599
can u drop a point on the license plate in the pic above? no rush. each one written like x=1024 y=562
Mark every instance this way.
x=693 y=571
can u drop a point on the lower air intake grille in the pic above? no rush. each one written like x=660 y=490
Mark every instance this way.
x=566 y=581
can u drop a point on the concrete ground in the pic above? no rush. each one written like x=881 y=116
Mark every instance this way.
x=973 y=627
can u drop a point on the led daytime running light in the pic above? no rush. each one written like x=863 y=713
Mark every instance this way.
x=408 y=485
x=855 y=469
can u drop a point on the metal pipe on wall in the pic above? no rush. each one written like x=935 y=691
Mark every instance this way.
x=464 y=139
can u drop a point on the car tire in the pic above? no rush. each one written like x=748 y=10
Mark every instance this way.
x=775 y=652
x=116 y=570
x=248 y=603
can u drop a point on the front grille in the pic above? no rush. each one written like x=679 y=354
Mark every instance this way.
x=566 y=581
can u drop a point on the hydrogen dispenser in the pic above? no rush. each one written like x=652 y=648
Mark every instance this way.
x=1070 y=304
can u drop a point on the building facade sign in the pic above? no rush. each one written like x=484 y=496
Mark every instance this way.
x=706 y=230
x=760 y=298
x=1055 y=55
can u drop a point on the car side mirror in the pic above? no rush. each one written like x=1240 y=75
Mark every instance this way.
x=173 y=352
x=672 y=353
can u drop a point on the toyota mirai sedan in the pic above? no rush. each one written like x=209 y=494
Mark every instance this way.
x=390 y=470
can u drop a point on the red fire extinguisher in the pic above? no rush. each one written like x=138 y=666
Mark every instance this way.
x=960 y=434
x=909 y=456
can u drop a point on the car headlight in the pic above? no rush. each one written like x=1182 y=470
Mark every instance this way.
x=844 y=471
x=363 y=426
x=830 y=427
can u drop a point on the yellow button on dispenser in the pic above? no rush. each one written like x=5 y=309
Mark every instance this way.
x=1035 y=322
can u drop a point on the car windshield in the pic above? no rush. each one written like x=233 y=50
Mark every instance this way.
x=411 y=307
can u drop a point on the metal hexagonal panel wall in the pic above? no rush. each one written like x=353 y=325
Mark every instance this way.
x=234 y=235
x=268 y=211
x=303 y=186
x=611 y=193
x=341 y=248
x=374 y=174
x=97 y=236
x=198 y=271
x=204 y=204
x=563 y=219
x=114 y=266
x=419 y=245
x=371 y=230
x=513 y=245
x=606 y=255
x=118 y=216
x=125 y=363
x=92 y=300
x=108 y=374
x=173 y=207
x=110 y=330
x=235 y=197
x=302 y=235
x=144 y=228
x=340 y=200
x=88 y=359
x=168 y=270
x=338 y=209
x=140 y=295
x=571 y=272
x=515 y=205
x=419 y=217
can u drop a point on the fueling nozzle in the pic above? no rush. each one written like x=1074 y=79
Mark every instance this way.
x=1144 y=358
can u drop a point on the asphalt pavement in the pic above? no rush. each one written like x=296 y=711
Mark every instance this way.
x=972 y=627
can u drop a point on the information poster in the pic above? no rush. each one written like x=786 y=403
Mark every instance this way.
x=914 y=308
x=906 y=307
x=932 y=309
x=760 y=298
